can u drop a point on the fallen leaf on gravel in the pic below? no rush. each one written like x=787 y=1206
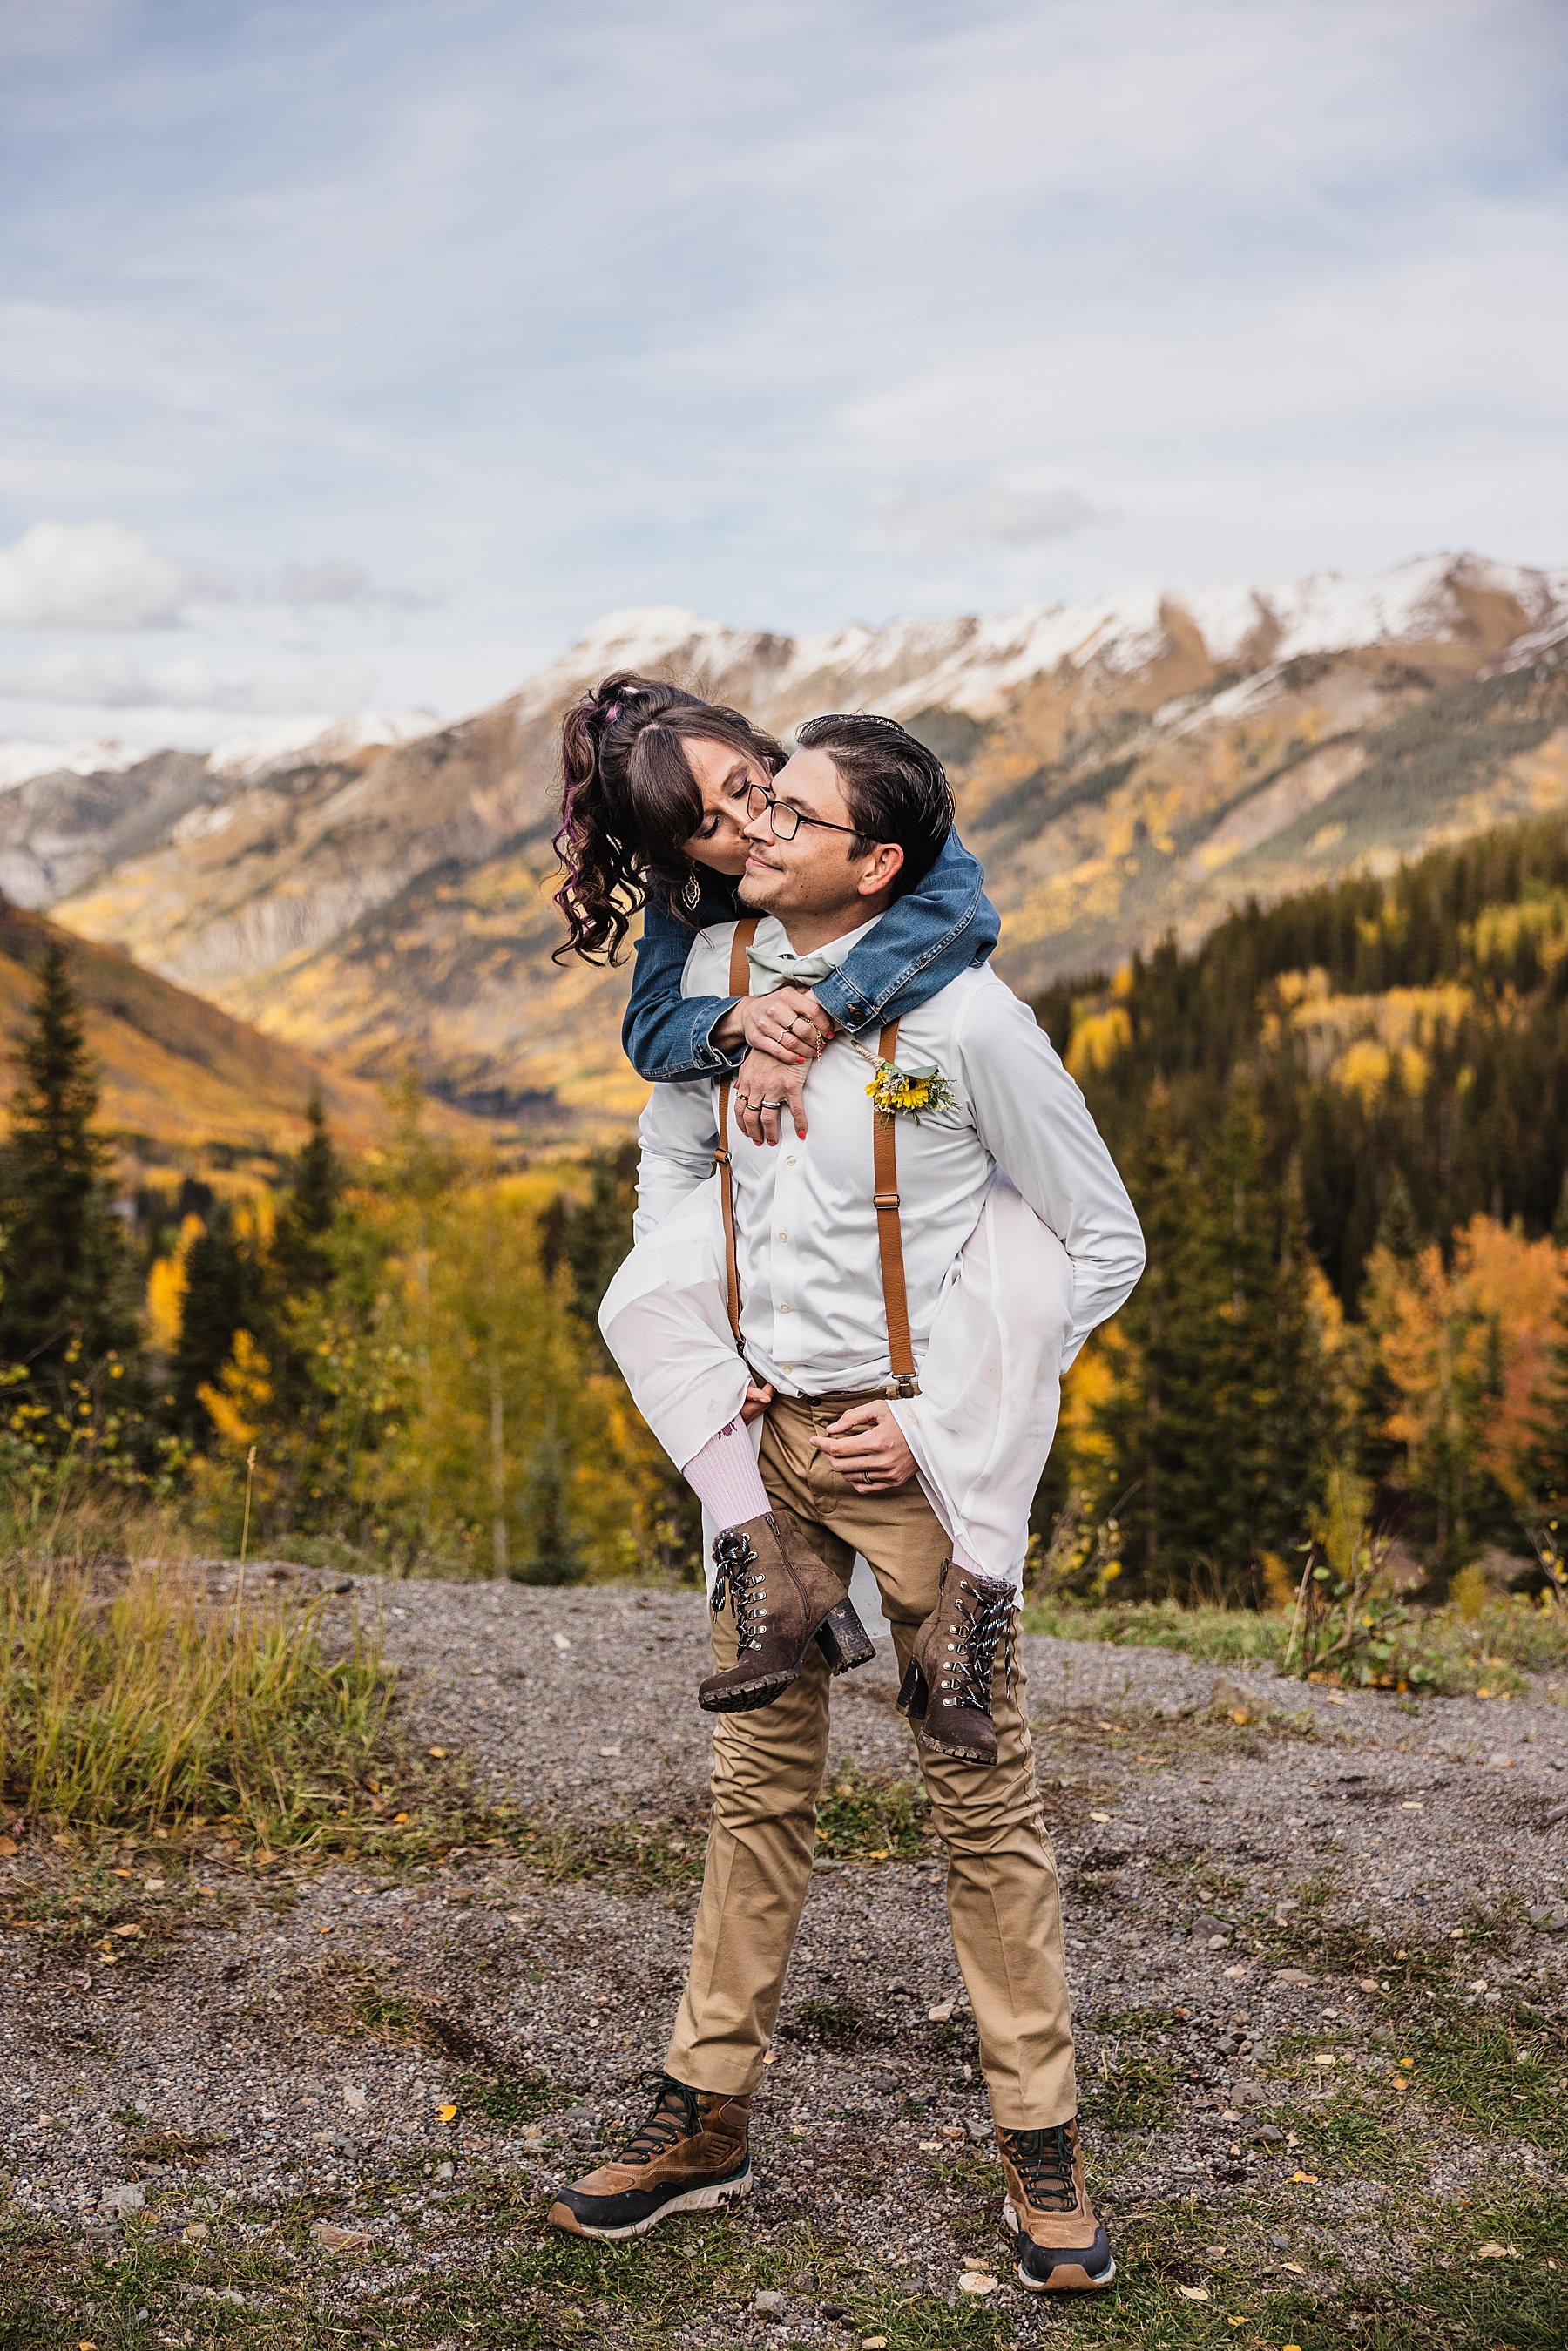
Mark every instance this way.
x=977 y=2281
x=130 y=1928
x=873 y=2343
x=438 y=1751
x=1305 y=2179
x=1241 y=1714
x=930 y=2146
x=8 y=1846
x=1193 y=2293
x=1325 y=2057
x=1295 y=1976
x=445 y=2113
x=1295 y=2267
x=399 y=1818
x=940 y=2013
x=1497 y=2252
x=1099 y=1816
x=194 y=2231
x=336 y=2240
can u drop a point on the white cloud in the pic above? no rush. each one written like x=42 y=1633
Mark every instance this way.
x=90 y=575
x=1002 y=517
x=100 y=680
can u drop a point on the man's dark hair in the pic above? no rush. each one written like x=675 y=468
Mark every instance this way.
x=895 y=788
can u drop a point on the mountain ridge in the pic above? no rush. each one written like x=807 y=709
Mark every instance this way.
x=1124 y=766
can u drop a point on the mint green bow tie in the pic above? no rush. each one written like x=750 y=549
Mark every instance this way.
x=787 y=970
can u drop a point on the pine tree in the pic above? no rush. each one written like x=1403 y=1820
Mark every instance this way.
x=63 y=1262
x=219 y=1300
x=1546 y=1464
x=554 y=1553
x=301 y=1258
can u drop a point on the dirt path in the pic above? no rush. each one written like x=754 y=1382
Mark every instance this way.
x=1319 y=1950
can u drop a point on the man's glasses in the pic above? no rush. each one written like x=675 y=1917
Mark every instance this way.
x=785 y=820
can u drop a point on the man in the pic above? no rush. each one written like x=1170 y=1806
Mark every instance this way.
x=840 y=1270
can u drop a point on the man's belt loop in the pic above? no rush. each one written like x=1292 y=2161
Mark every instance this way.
x=890 y=1234
x=739 y=985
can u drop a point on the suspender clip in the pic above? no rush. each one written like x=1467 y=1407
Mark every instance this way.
x=885 y=1199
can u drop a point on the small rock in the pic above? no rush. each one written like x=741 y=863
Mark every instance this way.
x=1249 y=2093
x=1267 y=2134
x=834 y=2310
x=1295 y=1976
x=768 y=2302
x=334 y=2239
x=940 y=2012
x=977 y=2281
x=354 y=2097
x=128 y=2196
x=445 y=2170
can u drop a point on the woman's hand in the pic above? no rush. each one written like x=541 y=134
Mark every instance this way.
x=789 y=1024
x=764 y=1089
x=866 y=1446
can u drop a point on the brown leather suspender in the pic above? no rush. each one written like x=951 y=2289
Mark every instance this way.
x=889 y=1231
x=739 y=985
x=884 y=1168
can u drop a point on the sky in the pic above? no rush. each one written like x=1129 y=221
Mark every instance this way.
x=361 y=356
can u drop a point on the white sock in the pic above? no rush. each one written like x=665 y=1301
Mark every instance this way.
x=725 y=1478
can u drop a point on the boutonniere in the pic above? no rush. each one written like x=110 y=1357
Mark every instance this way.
x=899 y=1093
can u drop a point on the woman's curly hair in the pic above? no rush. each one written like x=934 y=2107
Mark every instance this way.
x=628 y=800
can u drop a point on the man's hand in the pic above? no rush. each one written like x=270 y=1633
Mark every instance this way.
x=788 y=1023
x=866 y=1446
x=758 y=1400
x=763 y=1089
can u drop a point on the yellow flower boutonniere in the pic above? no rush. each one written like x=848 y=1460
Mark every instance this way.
x=909 y=1093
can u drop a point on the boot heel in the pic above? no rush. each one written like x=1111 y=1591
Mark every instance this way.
x=914 y=1693
x=843 y=1639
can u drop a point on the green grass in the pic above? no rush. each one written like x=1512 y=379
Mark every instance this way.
x=873 y=1816
x=1490 y=1650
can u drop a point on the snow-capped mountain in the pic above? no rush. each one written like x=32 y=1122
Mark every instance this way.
x=1122 y=765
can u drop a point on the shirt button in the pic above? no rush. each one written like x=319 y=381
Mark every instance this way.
x=783 y=1237
x=790 y=1161
x=785 y=1308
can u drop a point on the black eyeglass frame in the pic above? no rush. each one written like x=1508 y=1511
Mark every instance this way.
x=776 y=808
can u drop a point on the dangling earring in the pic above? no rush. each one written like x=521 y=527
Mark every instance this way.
x=692 y=891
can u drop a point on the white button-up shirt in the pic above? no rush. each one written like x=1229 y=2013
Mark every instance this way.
x=812 y=1318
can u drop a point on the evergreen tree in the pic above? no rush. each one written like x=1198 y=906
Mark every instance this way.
x=63 y=1263
x=301 y=1257
x=219 y=1300
x=554 y=1552
x=1546 y=1464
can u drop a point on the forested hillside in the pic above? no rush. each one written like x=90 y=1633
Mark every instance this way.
x=1344 y=1120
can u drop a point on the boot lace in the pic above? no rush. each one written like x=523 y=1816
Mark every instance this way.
x=675 y=2117
x=746 y=1593
x=983 y=1626
x=1043 y=2160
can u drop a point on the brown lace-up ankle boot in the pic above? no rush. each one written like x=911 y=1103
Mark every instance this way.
x=947 y=1687
x=1062 y=2249
x=784 y=1598
x=689 y=2156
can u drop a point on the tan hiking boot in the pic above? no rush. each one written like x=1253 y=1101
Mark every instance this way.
x=946 y=1685
x=690 y=2155
x=784 y=1598
x=1062 y=2249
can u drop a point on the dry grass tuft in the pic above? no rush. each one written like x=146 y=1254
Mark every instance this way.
x=132 y=1702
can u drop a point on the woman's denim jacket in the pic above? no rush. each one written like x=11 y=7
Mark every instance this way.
x=925 y=939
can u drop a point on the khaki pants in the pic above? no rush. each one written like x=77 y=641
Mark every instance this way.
x=1002 y=1896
